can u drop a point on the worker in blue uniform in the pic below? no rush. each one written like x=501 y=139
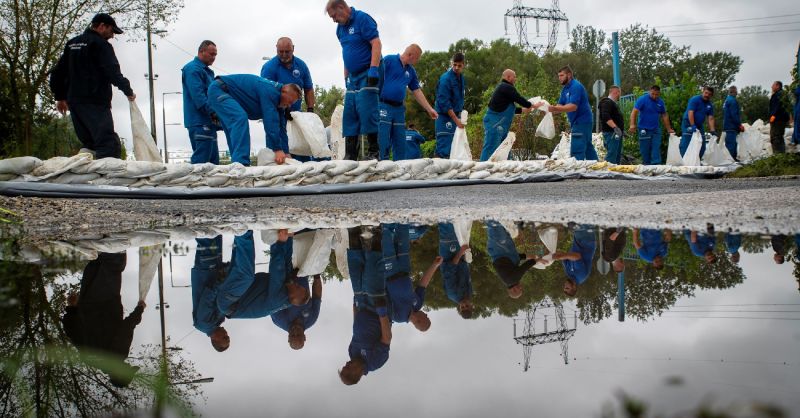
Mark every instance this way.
x=647 y=111
x=207 y=274
x=238 y=98
x=733 y=241
x=404 y=300
x=198 y=118
x=449 y=103
x=372 y=328
x=509 y=264
x=652 y=245
x=702 y=245
x=574 y=101
x=796 y=133
x=697 y=111
x=578 y=260
x=732 y=121
x=413 y=142
x=296 y=320
x=498 y=118
x=456 y=276
x=398 y=75
x=286 y=68
x=361 y=51
x=247 y=294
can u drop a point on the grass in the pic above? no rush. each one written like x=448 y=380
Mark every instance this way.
x=776 y=165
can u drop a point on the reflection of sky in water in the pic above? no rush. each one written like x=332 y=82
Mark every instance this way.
x=473 y=367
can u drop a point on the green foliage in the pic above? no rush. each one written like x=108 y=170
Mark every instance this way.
x=775 y=165
x=589 y=40
x=646 y=55
x=326 y=100
x=754 y=102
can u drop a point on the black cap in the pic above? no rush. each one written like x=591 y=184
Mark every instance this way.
x=108 y=20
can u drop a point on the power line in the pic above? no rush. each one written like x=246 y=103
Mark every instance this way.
x=732 y=317
x=729 y=311
x=729 y=27
x=727 y=21
x=733 y=33
x=737 y=305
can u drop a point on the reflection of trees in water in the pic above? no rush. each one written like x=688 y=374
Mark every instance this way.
x=43 y=375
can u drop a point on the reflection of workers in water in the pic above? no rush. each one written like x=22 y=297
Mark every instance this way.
x=652 y=245
x=455 y=270
x=372 y=329
x=505 y=258
x=779 y=247
x=733 y=241
x=208 y=272
x=702 y=245
x=94 y=318
x=578 y=261
x=404 y=299
x=614 y=241
x=297 y=319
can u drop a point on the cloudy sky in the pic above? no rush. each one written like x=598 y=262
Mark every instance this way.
x=246 y=31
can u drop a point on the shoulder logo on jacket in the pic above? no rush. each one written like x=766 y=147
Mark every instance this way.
x=351 y=30
x=296 y=73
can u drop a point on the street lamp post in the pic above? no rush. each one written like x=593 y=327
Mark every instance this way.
x=164 y=122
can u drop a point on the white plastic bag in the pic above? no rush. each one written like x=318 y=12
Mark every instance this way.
x=148 y=264
x=306 y=134
x=502 y=151
x=716 y=153
x=459 y=150
x=337 y=140
x=674 y=151
x=562 y=150
x=546 y=127
x=311 y=252
x=341 y=241
x=463 y=229
x=692 y=155
x=549 y=237
x=267 y=157
x=144 y=147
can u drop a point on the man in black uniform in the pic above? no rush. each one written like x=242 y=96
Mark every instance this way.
x=81 y=83
x=612 y=124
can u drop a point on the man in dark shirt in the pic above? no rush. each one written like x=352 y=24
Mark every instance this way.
x=81 y=83
x=506 y=259
x=612 y=124
x=501 y=113
x=93 y=320
x=779 y=246
x=614 y=240
x=778 y=118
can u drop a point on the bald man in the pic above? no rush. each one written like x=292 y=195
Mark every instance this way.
x=398 y=75
x=501 y=112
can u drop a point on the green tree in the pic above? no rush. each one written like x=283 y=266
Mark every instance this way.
x=754 y=101
x=646 y=55
x=589 y=40
x=326 y=101
x=716 y=69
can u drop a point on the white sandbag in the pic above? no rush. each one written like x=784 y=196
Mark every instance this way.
x=341 y=240
x=307 y=136
x=337 y=140
x=716 y=153
x=173 y=171
x=144 y=147
x=463 y=230
x=459 y=149
x=141 y=169
x=562 y=150
x=72 y=178
x=267 y=157
x=148 y=265
x=341 y=166
x=502 y=151
x=546 y=127
x=511 y=227
x=19 y=165
x=691 y=157
x=549 y=237
x=56 y=166
x=674 y=151
x=317 y=255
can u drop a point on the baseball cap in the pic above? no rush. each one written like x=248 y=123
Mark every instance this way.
x=108 y=20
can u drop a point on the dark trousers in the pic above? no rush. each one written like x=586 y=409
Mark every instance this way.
x=95 y=128
x=776 y=131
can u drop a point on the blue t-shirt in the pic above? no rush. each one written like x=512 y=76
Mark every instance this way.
x=584 y=242
x=731 y=114
x=733 y=242
x=653 y=245
x=574 y=93
x=704 y=243
x=649 y=111
x=403 y=298
x=355 y=37
x=366 y=342
x=450 y=93
x=701 y=108
x=307 y=314
x=296 y=73
x=396 y=77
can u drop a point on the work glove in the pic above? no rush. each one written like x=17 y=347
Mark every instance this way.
x=771 y=119
x=690 y=129
x=288 y=113
x=618 y=132
x=741 y=128
x=372 y=77
x=380 y=306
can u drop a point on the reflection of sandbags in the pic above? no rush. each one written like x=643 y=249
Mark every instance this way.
x=463 y=229
x=341 y=240
x=459 y=150
x=144 y=147
x=546 y=128
x=312 y=254
x=148 y=264
x=502 y=151
x=337 y=140
x=673 y=151
x=511 y=227
x=692 y=155
x=306 y=134
x=549 y=237
x=19 y=165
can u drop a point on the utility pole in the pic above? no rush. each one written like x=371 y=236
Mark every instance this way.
x=554 y=16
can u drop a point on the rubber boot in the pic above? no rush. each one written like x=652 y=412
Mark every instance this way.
x=373 y=150
x=351 y=148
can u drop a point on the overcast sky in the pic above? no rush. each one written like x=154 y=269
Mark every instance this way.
x=246 y=31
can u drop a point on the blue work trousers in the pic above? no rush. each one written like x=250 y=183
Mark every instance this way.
x=499 y=243
x=613 y=147
x=581 y=146
x=241 y=274
x=204 y=145
x=650 y=146
x=445 y=129
x=235 y=121
x=392 y=132
x=360 y=107
x=395 y=245
x=730 y=142
x=495 y=129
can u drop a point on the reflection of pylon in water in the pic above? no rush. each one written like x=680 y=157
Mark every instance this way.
x=530 y=337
